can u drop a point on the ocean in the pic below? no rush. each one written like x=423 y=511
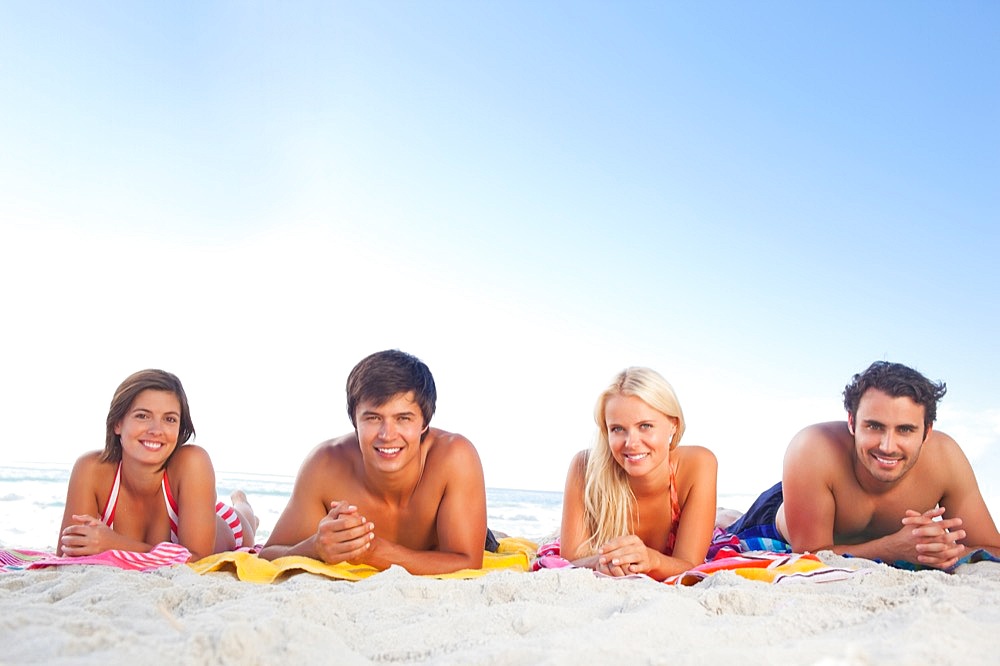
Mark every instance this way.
x=32 y=497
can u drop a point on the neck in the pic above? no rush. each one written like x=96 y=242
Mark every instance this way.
x=141 y=479
x=395 y=487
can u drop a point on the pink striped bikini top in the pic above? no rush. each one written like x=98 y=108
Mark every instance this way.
x=108 y=518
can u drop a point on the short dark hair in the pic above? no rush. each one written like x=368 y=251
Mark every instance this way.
x=382 y=375
x=128 y=390
x=898 y=381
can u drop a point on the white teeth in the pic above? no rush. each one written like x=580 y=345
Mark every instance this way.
x=389 y=452
x=635 y=456
x=152 y=445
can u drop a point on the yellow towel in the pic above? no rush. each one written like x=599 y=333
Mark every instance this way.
x=513 y=553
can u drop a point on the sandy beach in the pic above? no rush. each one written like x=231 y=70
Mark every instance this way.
x=880 y=615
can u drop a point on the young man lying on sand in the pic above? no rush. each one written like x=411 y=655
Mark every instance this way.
x=395 y=491
x=882 y=485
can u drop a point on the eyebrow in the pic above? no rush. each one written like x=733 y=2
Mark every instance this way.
x=150 y=411
x=897 y=426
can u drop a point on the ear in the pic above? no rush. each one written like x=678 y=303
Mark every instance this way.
x=118 y=428
x=850 y=422
x=927 y=432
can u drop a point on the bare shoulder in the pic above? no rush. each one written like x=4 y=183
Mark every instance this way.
x=697 y=467
x=91 y=474
x=578 y=465
x=819 y=456
x=90 y=462
x=944 y=442
x=190 y=454
x=449 y=446
x=695 y=456
x=337 y=450
x=820 y=439
x=945 y=453
x=336 y=458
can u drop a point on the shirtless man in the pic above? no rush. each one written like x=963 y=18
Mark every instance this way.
x=884 y=485
x=395 y=491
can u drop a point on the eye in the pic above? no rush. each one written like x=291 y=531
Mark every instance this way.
x=172 y=419
x=646 y=426
x=615 y=429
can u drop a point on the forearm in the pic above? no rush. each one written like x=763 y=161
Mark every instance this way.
x=384 y=554
x=112 y=541
x=876 y=549
x=304 y=548
x=664 y=566
x=590 y=562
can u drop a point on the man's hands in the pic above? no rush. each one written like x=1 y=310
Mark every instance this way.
x=933 y=543
x=343 y=535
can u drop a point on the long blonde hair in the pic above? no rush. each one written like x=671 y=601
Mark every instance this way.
x=609 y=504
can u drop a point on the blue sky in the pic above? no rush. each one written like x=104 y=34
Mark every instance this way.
x=755 y=199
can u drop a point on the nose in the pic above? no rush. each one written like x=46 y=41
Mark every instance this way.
x=386 y=431
x=888 y=442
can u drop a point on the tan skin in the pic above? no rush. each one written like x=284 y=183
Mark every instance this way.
x=872 y=487
x=381 y=496
x=639 y=437
x=149 y=435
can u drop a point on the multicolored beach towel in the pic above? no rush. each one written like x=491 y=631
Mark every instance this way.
x=765 y=538
x=162 y=555
x=765 y=567
x=512 y=553
x=758 y=538
x=768 y=567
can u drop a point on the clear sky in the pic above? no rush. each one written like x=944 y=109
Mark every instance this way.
x=755 y=199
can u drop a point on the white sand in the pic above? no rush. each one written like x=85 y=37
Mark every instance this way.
x=99 y=615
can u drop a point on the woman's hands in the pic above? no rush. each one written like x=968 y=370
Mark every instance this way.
x=625 y=556
x=86 y=535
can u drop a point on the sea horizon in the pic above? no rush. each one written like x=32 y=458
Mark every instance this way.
x=33 y=496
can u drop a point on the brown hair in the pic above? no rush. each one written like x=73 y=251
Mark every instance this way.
x=144 y=380
x=385 y=374
x=898 y=381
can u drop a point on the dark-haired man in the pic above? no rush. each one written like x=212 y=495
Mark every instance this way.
x=882 y=485
x=395 y=491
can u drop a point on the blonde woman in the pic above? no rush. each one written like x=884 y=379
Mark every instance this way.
x=637 y=503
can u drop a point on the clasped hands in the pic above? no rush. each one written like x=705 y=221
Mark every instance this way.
x=343 y=535
x=935 y=542
x=87 y=536
x=624 y=556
